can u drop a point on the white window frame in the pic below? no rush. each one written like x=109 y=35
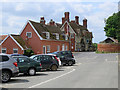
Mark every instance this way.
x=4 y=49
x=58 y=47
x=63 y=47
x=72 y=35
x=66 y=48
x=27 y=33
x=66 y=37
x=43 y=49
x=47 y=35
x=48 y=46
x=15 y=49
x=57 y=36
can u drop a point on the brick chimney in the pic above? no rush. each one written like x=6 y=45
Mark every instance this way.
x=67 y=16
x=85 y=23
x=51 y=22
x=42 y=21
x=63 y=20
x=73 y=21
x=77 y=19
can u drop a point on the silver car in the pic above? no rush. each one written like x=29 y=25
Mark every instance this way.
x=8 y=67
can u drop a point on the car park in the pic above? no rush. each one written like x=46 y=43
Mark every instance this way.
x=8 y=68
x=27 y=65
x=66 y=57
x=49 y=62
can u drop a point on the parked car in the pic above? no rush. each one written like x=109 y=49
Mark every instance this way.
x=17 y=55
x=66 y=57
x=27 y=65
x=8 y=68
x=50 y=62
x=57 y=58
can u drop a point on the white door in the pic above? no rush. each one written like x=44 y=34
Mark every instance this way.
x=63 y=47
x=44 y=49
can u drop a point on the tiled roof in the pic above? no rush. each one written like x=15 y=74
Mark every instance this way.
x=78 y=28
x=114 y=40
x=2 y=37
x=19 y=39
x=47 y=28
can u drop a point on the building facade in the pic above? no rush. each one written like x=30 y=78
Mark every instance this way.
x=45 y=38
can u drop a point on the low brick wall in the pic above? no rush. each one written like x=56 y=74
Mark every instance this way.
x=107 y=47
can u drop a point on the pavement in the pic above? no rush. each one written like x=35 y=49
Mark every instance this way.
x=90 y=71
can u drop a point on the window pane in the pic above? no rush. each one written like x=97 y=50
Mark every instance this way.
x=15 y=50
x=3 y=50
x=5 y=58
x=29 y=34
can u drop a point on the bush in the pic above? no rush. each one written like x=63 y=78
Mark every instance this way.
x=28 y=52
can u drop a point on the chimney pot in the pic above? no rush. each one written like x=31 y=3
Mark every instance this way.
x=77 y=19
x=63 y=20
x=85 y=22
x=51 y=22
x=42 y=21
x=67 y=16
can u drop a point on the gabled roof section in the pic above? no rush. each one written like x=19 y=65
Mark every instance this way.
x=40 y=28
x=2 y=37
x=20 y=41
x=76 y=27
x=110 y=40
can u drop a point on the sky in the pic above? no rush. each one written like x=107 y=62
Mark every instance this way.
x=15 y=13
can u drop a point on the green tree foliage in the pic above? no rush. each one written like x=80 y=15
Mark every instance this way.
x=112 y=27
x=28 y=52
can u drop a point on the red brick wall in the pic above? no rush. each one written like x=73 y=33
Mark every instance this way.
x=34 y=42
x=109 y=47
x=9 y=44
x=37 y=44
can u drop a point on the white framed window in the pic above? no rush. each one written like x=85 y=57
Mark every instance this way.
x=63 y=47
x=4 y=50
x=57 y=36
x=29 y=34
x=66 y=48
x=72 y=35
x=87 y=41
x=44 y=49
x=66 y=37
x=58 y=48
x=15 y=50
x=48 y=48
x=47 y=35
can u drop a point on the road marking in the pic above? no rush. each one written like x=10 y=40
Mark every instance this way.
x=51 y=79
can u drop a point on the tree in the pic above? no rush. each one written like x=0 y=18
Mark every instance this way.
x=112 y=27
x=28 y=52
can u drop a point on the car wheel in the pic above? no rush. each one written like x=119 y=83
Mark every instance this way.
x=31 y=71
x=5 y=76
x=70 y=63
x=54 y=68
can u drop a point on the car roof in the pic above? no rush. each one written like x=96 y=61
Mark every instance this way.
x=19 y=56
x=4 y=54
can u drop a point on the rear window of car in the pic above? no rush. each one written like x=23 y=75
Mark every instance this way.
x=3 y=58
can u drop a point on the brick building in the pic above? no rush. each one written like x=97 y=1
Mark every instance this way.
x=45 y=38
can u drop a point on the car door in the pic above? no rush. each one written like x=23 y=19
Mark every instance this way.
x=45 y=61
x=23 y=64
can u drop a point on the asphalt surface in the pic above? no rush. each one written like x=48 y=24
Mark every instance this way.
x=91 y=71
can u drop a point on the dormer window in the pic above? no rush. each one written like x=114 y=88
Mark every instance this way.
x=47 y=35
x=72 y=35
x=66 y=37
x=57 y=36
x=29 y=34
